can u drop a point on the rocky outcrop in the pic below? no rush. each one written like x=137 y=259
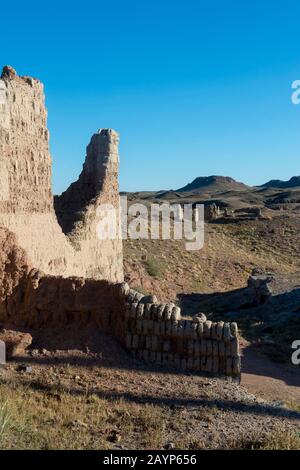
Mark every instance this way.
x=259 y=285
x=16 y=342
x=26 y=200
x=277 y=296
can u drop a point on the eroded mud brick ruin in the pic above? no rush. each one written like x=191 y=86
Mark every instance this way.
x=26 y=200
x=53 y=267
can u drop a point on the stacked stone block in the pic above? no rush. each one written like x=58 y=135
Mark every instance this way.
x=158 y=333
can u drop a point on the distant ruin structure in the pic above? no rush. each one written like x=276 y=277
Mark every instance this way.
x=211 y=212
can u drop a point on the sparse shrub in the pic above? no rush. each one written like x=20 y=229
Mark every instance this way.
x=282 y=441
x=206 y=413
x=293 y=406
x=151 y=427
x=155 y=267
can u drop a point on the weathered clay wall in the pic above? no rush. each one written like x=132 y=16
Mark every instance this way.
x=26 y=201
x=44 y=300
x=29 y=298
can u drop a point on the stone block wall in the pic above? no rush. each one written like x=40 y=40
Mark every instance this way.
x=157 y=333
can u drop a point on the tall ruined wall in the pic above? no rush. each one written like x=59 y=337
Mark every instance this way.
x=96 y=187
x=26 y=201
x=25 y=158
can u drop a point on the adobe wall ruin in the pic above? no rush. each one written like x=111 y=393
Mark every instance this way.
x=26 y=200
x=53 y=268
x=151 y=331
x=32 y=299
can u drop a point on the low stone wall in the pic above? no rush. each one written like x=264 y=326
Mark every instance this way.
x=157 y=333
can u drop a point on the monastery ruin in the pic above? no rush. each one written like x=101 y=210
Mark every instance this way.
x=53 y=267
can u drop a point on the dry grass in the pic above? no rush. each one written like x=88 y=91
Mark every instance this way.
x=6 y=420
x=276 y=441
x=46 y=410
x=31 y=419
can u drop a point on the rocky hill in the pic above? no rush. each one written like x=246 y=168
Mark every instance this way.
x=213 y=184
x=291 y=183
x=227 y=192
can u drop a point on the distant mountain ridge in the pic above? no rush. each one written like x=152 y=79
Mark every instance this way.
x=208 y=187
x=213 y=183
x=292 y=183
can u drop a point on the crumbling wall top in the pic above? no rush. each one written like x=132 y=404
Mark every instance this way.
x=9 y=73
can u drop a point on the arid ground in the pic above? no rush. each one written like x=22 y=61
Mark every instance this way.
x=84 y=391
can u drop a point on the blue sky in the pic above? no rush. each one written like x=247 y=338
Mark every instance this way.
x=195 y=88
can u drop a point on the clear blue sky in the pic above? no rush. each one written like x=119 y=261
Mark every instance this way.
x=194 y=87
